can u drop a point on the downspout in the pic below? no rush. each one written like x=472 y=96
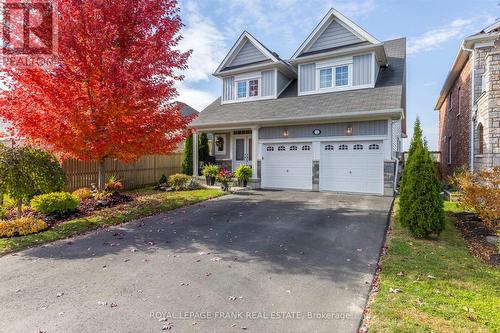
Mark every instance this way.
x=472 y=104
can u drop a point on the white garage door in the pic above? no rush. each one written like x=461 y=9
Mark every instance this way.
x=287 y=165
x=356 y=167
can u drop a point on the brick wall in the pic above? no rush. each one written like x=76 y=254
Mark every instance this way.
x=454 y=123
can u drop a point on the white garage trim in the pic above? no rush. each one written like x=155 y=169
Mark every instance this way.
x=352 y=166
x=287 y=165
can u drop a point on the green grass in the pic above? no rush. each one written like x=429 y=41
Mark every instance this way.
x=444 y=288
x=146 y=204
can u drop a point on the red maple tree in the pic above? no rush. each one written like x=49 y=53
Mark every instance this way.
x=111 y=93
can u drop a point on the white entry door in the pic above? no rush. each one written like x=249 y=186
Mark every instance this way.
x=242 y=150
x=287 y=166
x=356 y=167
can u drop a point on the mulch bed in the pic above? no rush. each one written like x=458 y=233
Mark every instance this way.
x=474 y=232
x=86 y=207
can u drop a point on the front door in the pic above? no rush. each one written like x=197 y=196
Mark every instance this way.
x=242 y=150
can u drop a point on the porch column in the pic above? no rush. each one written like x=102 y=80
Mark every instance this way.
x=255 y=151
x=195 y=154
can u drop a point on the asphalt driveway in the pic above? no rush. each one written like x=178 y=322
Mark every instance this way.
x=266 y=261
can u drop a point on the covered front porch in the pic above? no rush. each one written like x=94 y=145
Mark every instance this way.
x=230 y=148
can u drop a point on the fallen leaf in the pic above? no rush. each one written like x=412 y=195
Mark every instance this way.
x=102 y=303
x=113 y=305
x=431 y=277
x=395 y=291
x=401 y=274
x=60 y=294
x=232 y=298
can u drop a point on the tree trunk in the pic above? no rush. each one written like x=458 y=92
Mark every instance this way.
x=19 y=209
x=101 y=182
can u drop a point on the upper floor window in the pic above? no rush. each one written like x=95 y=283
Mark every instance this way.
x=325 y=78
x=242 y=89
x=341 y=76
x=247 y=88
x=335 y=76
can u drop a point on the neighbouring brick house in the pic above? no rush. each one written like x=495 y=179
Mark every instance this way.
x=469 y=121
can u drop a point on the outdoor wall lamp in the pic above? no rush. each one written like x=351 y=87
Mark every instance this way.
x=285 y=133
x=349 y=130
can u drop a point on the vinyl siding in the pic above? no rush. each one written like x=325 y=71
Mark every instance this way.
x=335 y=35
x=362 y=69
x=307 y=75
x=248 y=54
x=282 y=81
x=373 y=127
x=228 y=89
x=268 y=83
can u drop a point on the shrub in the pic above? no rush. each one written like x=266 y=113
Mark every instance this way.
x=187 y=162
x=163 y=180
x=21 y=227
x=57 y=202
x=113 y=184
x=243 y=172
x=210 y=170
x=83 y=193
x=481 y=193
x=224 y=176
x=420 y=204
x=102 y=195
x=179 y=181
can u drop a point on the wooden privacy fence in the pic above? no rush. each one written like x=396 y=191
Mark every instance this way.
x=145 y=171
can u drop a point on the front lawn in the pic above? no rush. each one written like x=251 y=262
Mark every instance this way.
x=147 y=203
x=434 y=285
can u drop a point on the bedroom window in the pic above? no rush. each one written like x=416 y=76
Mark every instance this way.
x=253 y=90
x=341 y=76
x=247 y=88
x=242 y=89
x=325 y=78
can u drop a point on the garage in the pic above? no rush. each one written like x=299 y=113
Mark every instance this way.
x=356 y=167
x=287 y=165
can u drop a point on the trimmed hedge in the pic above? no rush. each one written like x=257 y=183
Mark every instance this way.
x=56 y=202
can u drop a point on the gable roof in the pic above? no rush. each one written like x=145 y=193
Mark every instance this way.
x=488 y=34
x=335 y=22
x=187 y=110
x=386 y=98
x=248 y=51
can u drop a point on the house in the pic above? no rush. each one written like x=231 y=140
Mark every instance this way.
x=330 y=118
x=469 y=105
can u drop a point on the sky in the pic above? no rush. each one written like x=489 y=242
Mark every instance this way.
x=433 y=28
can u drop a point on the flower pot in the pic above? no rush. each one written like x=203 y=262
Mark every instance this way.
x=242 y=182
x=210 y=180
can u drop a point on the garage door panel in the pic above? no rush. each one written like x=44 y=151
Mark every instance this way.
x=345 y=169
x=287 y=166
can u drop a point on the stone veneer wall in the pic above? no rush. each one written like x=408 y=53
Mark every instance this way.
x=488 y=112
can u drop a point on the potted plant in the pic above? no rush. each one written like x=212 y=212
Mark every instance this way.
x=210 y=171
x=224 y=177
x=243 y=173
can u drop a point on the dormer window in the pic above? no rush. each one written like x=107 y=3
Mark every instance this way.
x=247 y=88
x=333 y=75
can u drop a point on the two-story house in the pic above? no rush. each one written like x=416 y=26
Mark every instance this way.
x=469 y=105
x=330 y=118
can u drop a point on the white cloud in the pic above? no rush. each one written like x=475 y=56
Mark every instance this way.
x=198 y=99
x=437 y=36
x=207 y=43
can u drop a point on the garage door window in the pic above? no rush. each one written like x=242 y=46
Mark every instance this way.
x=270 y=149
x=293 y=147
x=374 y=147
x=343 y=147
x=281 y=148
x=358 y=147
x=328 y=147
x=306 y=147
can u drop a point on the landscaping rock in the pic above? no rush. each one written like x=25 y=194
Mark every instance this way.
x=493 y=240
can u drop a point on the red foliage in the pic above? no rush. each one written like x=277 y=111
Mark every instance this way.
x=111 y=93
